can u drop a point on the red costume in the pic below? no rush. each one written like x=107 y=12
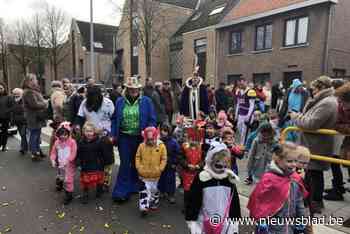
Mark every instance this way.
x=271 y=193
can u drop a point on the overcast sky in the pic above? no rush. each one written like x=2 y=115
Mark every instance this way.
x=104 y=11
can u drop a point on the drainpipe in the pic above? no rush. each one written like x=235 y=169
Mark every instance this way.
x=328 y=34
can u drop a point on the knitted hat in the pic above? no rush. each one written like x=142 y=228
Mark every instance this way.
x=154 y=132
x=322 y=81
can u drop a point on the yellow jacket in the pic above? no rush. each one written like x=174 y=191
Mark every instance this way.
x=150 y=161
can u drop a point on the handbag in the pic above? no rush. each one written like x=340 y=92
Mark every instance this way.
x=216 y=228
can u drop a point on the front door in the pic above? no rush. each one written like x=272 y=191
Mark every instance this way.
x=290 y=76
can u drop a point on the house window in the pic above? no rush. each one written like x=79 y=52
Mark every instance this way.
x=339 y=73
x=233 y=78
x=296 y=31
x=200 y=45
x=261 y=78
x=263 y=37
x=235 y=42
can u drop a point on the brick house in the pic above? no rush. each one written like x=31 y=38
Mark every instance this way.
x=173 y=14
x=196 y=41
x=281 y=40
x=77 y=64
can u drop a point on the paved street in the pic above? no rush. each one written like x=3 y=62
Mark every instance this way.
x=30 y=204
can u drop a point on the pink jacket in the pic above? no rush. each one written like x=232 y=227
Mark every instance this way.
x=58 y=151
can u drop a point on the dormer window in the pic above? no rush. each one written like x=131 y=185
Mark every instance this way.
x=217 y=10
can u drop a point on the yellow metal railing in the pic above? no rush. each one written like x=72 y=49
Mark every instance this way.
x=320 y=131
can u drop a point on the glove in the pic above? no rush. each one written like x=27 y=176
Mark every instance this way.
x=53 y=163
x=194 y=227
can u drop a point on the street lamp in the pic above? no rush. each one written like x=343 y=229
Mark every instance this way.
x=92 y=62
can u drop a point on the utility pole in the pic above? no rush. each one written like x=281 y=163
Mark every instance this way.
x=131 y=19
x=92 y=59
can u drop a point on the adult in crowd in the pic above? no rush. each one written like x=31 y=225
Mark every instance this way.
x=319 y=112
x=277 y=96
x=342 y=126
x=6 y=105
x=295 y=100
x=67 y=104
x=19 y=119
x=35 y=112
x=150 y=91
x=116 y=92
x=211 y=95
x=268 y=95
x=194 y=97
x=90 y=82
x=97 y=110
x=133 y=114
x=245 y=105
x=221 y=98
x=260 y=97
x=57 y=100
x=169 y=100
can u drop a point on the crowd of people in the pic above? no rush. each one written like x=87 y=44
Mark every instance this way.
x=196 y=133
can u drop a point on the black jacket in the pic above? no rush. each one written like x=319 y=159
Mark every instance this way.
x=18 y=113
x=6 y=107
x=221 y=100
x=90 y=155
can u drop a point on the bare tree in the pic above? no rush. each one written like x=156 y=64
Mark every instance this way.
x=148 y=25
x=37 y=40
x=3 y=52
x=56 y=31
x=21 y=50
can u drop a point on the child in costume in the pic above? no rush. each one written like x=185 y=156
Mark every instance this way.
x=62 y=155
x=179 y=131
x=303 y=159
x=210 y=137
x=90 y=157
x=236 y=151
x=279 y=194
x=260 y=154
x=214 y=193
x=150 y=161
x=167 y=181
x=222 y=121
x=191 y=160
x=211 y=116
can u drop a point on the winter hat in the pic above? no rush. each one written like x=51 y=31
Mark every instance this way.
x=296 y=83
x=322 y=81
x=166 y=127
x=154 y=132
x=208 y=172
x=63 y=128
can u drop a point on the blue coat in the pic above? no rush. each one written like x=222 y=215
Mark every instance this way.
x=147 y=115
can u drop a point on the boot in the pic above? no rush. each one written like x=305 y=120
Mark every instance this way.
x=99 y=191
x=36 y=157
x=334 y=196
x=59 y=185
x=85 y=197
x=42 y=155
x=68 y=198
x=316 y=207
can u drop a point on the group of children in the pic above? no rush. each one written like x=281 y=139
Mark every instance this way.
x=204 y=154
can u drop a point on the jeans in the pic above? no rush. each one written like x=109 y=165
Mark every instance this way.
x=22 y=130
x=315 y=181
x=3 y=132
x=34 y=140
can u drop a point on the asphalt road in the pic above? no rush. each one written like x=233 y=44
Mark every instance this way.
x=29 y=204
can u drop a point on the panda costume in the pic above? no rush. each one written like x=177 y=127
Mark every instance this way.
x=214 y=194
